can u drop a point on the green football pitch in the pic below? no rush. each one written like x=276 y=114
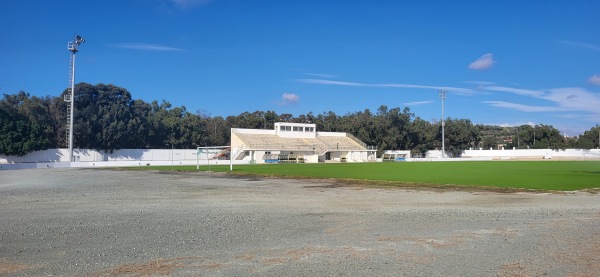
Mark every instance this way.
x=536 y=175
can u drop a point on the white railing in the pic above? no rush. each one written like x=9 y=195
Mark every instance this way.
x=355 y=139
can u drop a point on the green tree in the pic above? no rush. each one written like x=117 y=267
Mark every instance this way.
x=218 y=132
x=590 y=139
x=24 y=124
x=489 y=136
x=547 y=136
x=101 y=117
x=460 y=135
x=423 y=134
x=141 y=132
x=393 y=129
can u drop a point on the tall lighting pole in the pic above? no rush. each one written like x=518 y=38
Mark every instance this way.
x=534 y=136
x=70 y=96
x=442 y=94
x=518 y=139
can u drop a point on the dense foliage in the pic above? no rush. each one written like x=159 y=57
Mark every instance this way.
x=107 y=118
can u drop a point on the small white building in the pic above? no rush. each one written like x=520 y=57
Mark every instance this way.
x=297 y=143
x=395 y=155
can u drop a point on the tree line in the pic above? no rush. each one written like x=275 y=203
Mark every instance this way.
x=107 y=118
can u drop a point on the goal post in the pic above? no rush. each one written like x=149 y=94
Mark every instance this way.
x=212 y=152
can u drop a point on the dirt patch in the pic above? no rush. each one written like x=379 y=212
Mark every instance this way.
x=8 y=267
x=159 y=267
x=515 y=269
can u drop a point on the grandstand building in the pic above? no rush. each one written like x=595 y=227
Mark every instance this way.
x=297 y=143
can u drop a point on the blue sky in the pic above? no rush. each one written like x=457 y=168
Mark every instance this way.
x=502 y=62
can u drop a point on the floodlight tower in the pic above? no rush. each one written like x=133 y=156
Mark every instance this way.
x=442 y=94
x=70 y=96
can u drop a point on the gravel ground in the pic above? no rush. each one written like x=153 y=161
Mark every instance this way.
x=98 y=222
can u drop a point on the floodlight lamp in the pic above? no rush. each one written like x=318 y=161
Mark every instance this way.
x=79 y=40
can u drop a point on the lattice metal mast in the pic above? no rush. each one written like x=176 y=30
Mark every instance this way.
x=70 y=95
x=442 y=94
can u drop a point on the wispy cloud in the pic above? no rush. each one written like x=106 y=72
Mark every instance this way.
x=576 y=99
x=332 y=82
x=416 y=103
x=320 y=75
x=570 y=115
x=558 y=99
x=484 y=62
x=526 y=92
x=289 y=99
x=483 y=83
x=594 y=80
x=456 y=90
x=185 y=4
x=583 y=45
x=146 y=47
x=463 y=91
x=521 y=107
x=561 y=99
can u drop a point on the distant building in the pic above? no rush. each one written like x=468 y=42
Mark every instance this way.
x=396 y=155
x=297 y=143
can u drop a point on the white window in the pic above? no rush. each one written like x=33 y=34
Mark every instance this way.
x=297 y=129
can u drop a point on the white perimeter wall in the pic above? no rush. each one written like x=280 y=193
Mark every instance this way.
x=526 y=154
x=123 y=157
x=181 y=155
x=86 y=155
x=136 y=157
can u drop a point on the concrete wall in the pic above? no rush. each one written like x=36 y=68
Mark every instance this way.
x=254 y=131
x=50 y=155
x=124 y=157
x=526 y=154
x=87 y=155
x=331 y=134
x=53 y=158
x=114 y=164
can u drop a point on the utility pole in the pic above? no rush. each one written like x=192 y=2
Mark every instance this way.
x=70 y=96
x=534 y=136
x=442 y=95
x=518 y=139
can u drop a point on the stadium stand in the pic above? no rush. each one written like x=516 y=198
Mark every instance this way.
x=297 y=143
